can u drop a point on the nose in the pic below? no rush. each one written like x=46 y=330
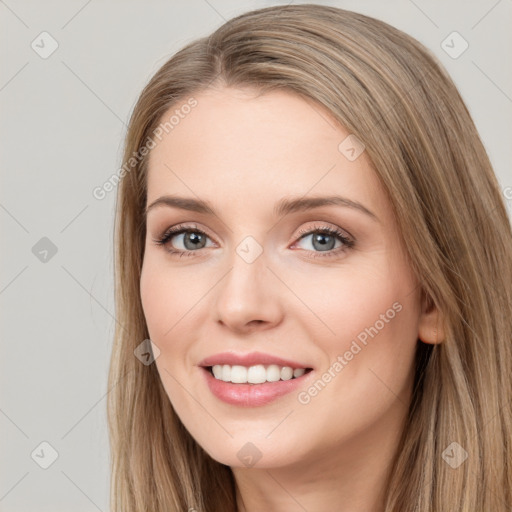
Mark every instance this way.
x=249 y=296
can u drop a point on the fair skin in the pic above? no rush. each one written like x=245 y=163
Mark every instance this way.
x=243 y=154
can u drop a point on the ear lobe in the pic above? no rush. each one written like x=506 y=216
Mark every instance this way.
x=430 y=325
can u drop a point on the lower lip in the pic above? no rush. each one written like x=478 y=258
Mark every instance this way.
x=252 y=395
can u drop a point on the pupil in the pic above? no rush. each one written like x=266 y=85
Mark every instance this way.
x=193 y=240
x=320 y=239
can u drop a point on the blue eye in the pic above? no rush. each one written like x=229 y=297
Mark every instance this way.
x=191 y=243
x=195 y=239
x=323 y=239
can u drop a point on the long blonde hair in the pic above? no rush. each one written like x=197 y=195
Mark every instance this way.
x=388 y=90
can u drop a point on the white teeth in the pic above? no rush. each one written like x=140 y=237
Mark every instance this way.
x=286 y=373
x=238 y=374
x=273 y=373
x=217 y=371
x=256 y=374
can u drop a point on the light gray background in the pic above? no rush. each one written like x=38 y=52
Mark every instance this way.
x=62 y=125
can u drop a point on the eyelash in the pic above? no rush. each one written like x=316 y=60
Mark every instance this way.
x=180 y=228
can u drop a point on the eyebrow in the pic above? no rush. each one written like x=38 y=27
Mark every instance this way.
x=284 y=206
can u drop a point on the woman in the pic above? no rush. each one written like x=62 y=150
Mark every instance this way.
x=313 y=250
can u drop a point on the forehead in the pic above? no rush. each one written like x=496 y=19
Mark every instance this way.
x=242 y=148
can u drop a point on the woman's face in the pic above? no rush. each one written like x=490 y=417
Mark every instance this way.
x=343 y=303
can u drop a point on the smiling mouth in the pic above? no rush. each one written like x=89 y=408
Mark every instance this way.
x=257 y=374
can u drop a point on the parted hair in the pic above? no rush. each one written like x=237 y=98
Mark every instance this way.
x=389 y=91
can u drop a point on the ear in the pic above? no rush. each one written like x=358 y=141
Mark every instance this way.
x=431 y=325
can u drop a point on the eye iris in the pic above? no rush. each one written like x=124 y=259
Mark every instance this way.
x=321 y=239
x=195 y=239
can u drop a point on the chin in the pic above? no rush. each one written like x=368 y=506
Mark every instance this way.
x=252 y=454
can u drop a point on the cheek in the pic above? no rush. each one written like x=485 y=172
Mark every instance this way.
x=167 y=296
x=368 y=370
x=154 y=297
x=173 y=305
x=168 y=312
x=370 y=319
x=163 y=304
x=346 y=301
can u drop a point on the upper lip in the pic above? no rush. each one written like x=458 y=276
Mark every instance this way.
x=250 y=359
